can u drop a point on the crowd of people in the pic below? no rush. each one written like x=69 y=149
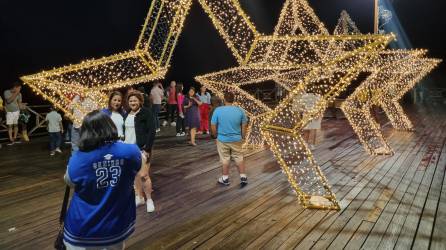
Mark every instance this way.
x=112 y=149
x=109 y=167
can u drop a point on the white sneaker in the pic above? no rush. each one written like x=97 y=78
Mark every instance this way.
x=150 y=206
x=178 y=134
x=157 y=130
x=58 y=150
x=164 y=123
x=183 y=134
x=52 y=153
x=139 y=201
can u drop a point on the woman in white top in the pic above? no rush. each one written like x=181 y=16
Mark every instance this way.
x=140 y=130
x=116 y=112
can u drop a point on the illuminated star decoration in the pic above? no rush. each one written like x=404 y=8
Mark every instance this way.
x=391 y=71
x=94 y=78
x=299 y=57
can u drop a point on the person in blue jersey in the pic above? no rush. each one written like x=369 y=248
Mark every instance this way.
x=102 y=210
x=229 y=124
x=116 y=112
x=140 y=129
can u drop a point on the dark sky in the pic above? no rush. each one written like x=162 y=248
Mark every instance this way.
x=38 y=35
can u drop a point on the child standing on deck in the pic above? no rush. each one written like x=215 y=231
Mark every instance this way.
x=55 y=130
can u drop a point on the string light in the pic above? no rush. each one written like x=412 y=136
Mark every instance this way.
x=392 y=73
x=300 y=57
x=94 y=78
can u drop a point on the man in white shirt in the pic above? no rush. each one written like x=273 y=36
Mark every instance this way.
x=13 y=103
x=157 y=95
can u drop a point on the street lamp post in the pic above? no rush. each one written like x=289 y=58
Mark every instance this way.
x=376 y=18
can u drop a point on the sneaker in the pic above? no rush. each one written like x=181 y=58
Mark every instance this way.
x=243 y=181
x=183 y=134
x=173 y=124
x=150 y=206
x=223 y=182
x=178 y=134
x=164 y=123
x=139 y=201
x=157 y=130
x=10 y=144
x=58 y=150
x=52 y=153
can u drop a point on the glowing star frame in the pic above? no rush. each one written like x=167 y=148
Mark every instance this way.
x=391 y=71
x=283 y=126
x=94 y=78
x=278 y=58
x=274 y=54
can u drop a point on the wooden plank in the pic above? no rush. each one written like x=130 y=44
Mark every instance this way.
x=381 y=210
x=438 y=237
x=329 y=228
x=408 y=232
x=359 y=236
x=394 y=227
x=425 y=225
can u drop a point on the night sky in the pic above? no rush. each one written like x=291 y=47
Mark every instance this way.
x=39 y=35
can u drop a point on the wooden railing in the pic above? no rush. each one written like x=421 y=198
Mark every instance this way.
x=35 y=126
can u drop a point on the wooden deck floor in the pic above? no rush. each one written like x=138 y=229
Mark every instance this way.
x=387 y=202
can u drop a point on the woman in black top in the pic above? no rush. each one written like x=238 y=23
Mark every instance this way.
x=140 y=130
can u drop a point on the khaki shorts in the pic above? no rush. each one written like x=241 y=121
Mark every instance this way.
x=12 y=118
x=228 y=150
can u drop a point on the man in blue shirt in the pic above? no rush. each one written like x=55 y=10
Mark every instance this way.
x=229 y=123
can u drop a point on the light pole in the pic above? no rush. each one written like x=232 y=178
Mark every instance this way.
x=376 y=18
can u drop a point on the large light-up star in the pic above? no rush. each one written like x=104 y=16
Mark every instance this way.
x=389 y=71
x=299 y=57
x=392 y=94
x=94 y=78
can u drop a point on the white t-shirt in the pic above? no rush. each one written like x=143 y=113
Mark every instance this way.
x=118 y=120
x=130 y=135
x=53 y=119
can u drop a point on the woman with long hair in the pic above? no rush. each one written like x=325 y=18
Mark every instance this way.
x=192 y=113
x=140 y=130
x=102 y=210
x=116 y=112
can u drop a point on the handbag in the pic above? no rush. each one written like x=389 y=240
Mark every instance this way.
x=58 y=244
